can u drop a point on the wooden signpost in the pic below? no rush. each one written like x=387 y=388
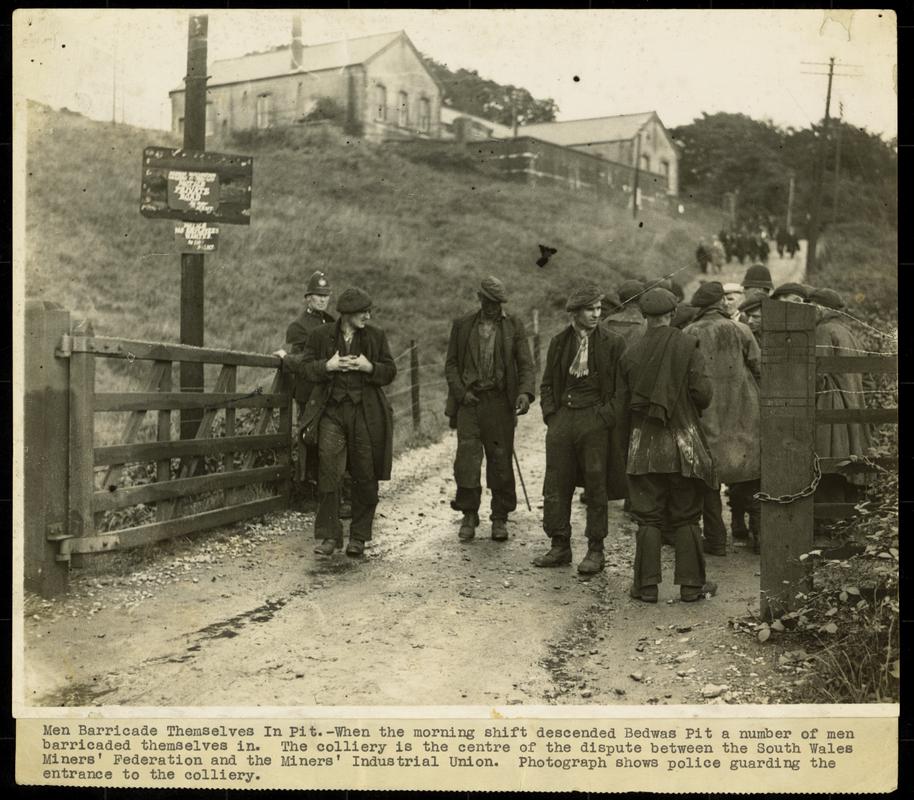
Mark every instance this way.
x=199 y=189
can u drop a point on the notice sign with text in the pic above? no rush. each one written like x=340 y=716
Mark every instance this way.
x=196 y=237
x=196 y=186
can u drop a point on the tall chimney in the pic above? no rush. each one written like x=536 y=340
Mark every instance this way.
x=296 y=41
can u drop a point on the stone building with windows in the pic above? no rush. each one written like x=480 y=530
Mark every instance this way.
x=624 y=139
x=379 y=82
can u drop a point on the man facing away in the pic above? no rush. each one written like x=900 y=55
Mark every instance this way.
x=662 y=388
x=577 y=394
x=489 y=372
x=731 y=420
x=349 y=362
x=317 y=297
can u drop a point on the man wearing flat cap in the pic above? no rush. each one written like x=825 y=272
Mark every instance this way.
x=662 y=388
x=577 y=395
x=790 y=293
x=751 y=314
x=626 y=321
x=490 y=377
x=349 y=362
x=317 y=298
x=731 y=421
x=836 y=391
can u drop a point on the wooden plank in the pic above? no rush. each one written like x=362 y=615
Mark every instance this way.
x=834 y=510
x=231 y=370
x=182 y=487
x=865 y=416
x=132 y=428
x=834 y=465
x=82 y=441
x=873 y=364
x=155 y=401
x=160 y=351
x=189 y=466
x=284 y=455
x=157 y=531
x=266 y=416
x=166 y=509
x=787 y=444
x=155 y=451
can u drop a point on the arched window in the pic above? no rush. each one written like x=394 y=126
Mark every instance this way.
x=403 y=109
x=380 y=103
x=646 y=163
x=425 y=115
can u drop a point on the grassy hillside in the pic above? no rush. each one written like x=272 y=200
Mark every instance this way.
x=419 y=239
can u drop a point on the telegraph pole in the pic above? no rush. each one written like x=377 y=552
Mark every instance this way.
x=191 y=375
x=637 y=177
x=834 y=208
x=812 y=234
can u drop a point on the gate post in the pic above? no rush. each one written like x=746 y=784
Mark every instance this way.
x=45 y=448
x=82 y=442
x=788 y=437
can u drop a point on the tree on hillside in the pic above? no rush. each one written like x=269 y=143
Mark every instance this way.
x=467 y=91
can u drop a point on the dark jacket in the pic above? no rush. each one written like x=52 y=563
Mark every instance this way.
x=296 y=335
x=679 y=445
x=312 y=364
x=607 y=350
x=512 y=337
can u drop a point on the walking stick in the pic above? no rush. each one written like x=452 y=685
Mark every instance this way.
x=519 y=473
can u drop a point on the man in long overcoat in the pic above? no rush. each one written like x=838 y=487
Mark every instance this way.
x=490 y=377
x=577 y=395
x=731 y=421
x=317 y=297
x=834 y=391
x=662 y=387
x=349 y=362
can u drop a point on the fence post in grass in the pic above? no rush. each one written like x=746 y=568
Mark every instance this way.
x=45 y=453
x=788 y=438
x=536 y=342
x=414 y=383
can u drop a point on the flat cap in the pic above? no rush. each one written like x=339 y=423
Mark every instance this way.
x=683 y=315
x=584 y=295
x=826 y=297
x=494 y=289
x=733 y=287
x=657 y=301
x=318 y=284
x=752 y=302
x=353 y=300
x=611 y=301
x=758 y=277
x=790 y=288
x=707 y=294
x=629 y=289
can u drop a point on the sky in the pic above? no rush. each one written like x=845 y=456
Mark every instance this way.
x=101 y=62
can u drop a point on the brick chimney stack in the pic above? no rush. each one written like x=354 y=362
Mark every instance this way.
x=296 y=42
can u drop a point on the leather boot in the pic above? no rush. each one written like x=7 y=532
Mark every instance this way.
x=738 y=527
x=499 y=530
x=327 y=546
x=355 y=548
x=755 y=530
x=689 y=594
x=647 y=594
x=468 y=526
x=593 y=562
x=558 y=556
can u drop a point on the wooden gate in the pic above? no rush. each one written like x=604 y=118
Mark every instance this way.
x=788 y=432
x=236 y=467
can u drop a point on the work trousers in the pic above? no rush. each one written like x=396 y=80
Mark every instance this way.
x=577 y=444
x=486 y=428
x=667 y=498
x=742 y=502
x=343 y=439
x=712 y=517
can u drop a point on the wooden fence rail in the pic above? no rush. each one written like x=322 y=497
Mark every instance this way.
x=789 y=419
x=61 y=430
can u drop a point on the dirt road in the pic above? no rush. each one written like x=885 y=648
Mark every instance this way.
x=250 y=616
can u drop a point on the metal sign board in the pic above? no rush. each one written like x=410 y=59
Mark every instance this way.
x=196 y=237
x=196 y=186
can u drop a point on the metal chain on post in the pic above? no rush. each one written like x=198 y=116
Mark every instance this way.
x=784 y=499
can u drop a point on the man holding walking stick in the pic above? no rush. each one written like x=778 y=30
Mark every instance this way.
x=489 y=371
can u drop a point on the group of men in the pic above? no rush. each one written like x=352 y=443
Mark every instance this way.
x=644 y=397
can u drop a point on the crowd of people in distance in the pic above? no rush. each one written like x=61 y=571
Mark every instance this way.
x=645 y=398
x=745 y=242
